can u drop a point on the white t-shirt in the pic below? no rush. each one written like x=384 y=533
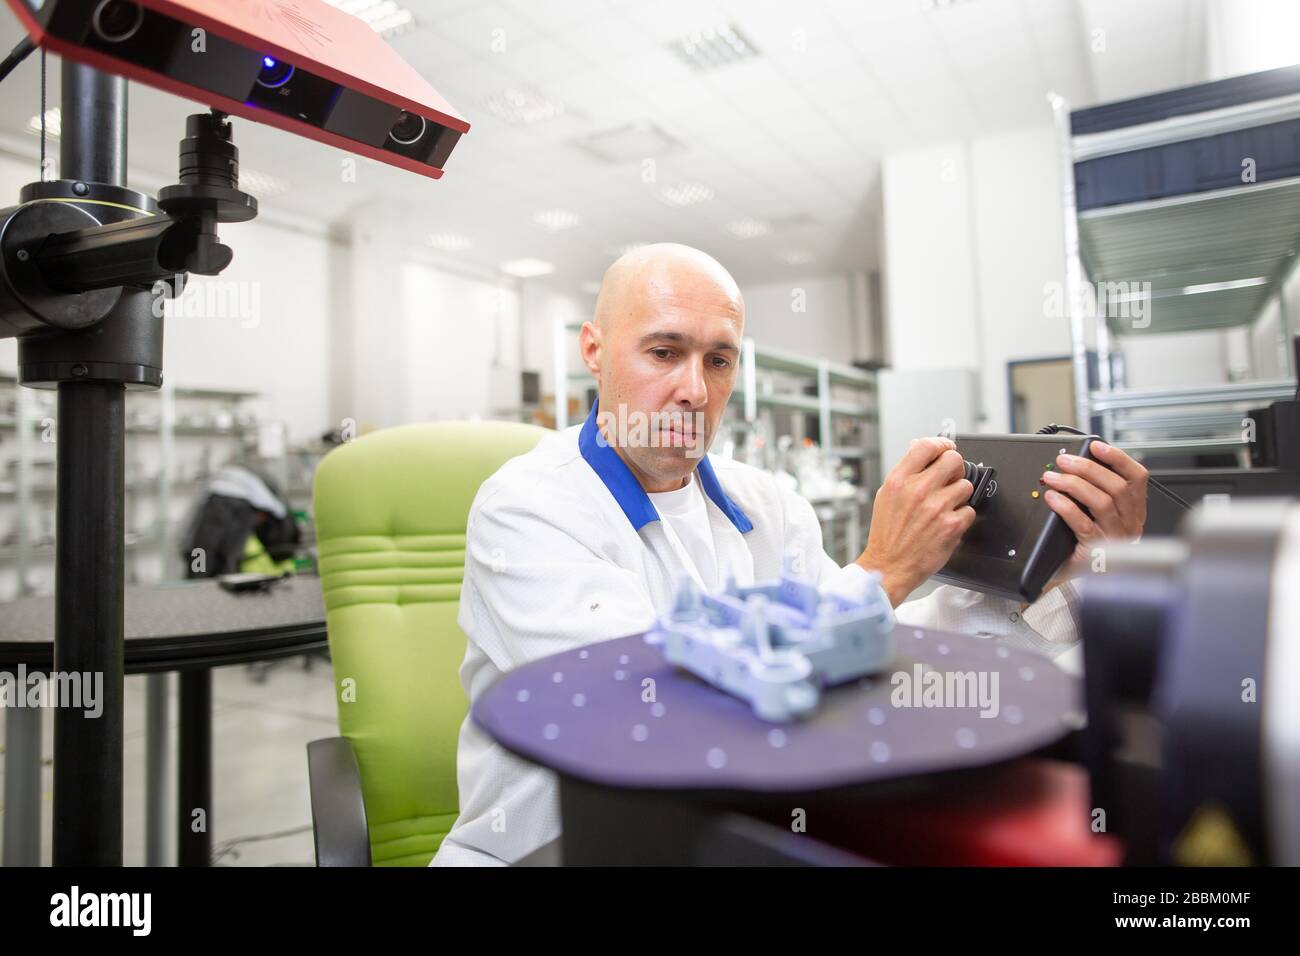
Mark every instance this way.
x=686 y=514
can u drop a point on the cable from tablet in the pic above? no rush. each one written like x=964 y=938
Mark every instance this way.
x=1054 y=429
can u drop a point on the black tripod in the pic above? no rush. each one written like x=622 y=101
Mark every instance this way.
x=83 y=263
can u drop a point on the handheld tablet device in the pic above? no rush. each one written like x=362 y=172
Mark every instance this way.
x=1017 y=541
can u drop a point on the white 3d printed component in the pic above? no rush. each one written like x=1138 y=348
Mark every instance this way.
x=777 y=645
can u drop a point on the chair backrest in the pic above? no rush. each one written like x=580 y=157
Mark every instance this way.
x=390 y=511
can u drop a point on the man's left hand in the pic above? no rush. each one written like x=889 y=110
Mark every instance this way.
x=1114 y=490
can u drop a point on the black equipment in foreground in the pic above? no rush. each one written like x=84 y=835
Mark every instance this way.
x=1192 y=657
x=84 y=265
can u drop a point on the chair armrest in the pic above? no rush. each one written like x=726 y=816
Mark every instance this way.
x=338 y=813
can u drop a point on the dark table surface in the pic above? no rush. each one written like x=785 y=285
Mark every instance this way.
x=184 y=624
x=583 y=713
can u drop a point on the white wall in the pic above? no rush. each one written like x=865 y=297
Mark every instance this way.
x=812 y=315
x=1019 y=237
x=1245 y=36
x=973 y=239
x=930 y=302
x=368 y=385
x=541 y=308
x=460 y=340
x=280 y=345
x=1174 y=359
x=417 y=341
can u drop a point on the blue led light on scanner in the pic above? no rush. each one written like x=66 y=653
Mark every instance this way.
x=274 y=73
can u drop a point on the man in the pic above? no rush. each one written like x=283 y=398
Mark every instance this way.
x=584 y=538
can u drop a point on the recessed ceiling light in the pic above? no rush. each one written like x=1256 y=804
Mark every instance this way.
x=712 y=47
x=523 y=106
x=748 y=228
x=527 y=268
x=385 y=17
x=53 y=122
x=929 y=6
x=686 y=194
x=797 y=257
x=556 y=220
x=447 y=241
x=628 y=143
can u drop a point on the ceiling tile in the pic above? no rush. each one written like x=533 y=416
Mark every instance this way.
x=797 y=131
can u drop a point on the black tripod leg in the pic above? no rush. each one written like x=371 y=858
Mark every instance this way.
x=88 y=582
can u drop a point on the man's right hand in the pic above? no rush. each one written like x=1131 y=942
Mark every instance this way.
x=919 y=516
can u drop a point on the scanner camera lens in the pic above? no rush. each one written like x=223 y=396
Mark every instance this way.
x=408 y=128
x=116 y=20
x=274 y=73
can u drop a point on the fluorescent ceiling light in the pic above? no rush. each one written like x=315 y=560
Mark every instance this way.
x=797 y=257
x=385 y=17
x=1137 y=294
x=1222 y=286
x=748 y=228
x=527 y=268
x=523 y=106
x=685 y=194
x=556 y=220
x=713 y=47
x=447 y=241
x=53 y=123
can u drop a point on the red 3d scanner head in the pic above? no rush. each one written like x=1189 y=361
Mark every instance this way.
x=300 y=65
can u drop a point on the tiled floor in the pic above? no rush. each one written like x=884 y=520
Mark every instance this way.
x=261 y=811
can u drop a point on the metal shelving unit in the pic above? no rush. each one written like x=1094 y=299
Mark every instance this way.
x=154 y=426
x=1215 y=251
x=831 y=381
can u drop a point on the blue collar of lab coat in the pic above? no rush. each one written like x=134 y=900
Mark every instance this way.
x=627 y=491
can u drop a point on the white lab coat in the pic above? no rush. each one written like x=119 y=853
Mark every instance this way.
x=553 y=562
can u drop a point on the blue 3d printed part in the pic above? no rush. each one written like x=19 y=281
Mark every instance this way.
x=777 y=645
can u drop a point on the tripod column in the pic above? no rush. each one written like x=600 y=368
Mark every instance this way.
x=90 y=514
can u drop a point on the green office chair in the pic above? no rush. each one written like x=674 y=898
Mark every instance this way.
x=390 y=514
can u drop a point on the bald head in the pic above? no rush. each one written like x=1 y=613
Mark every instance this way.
x=664 y=342
x=666 y=272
